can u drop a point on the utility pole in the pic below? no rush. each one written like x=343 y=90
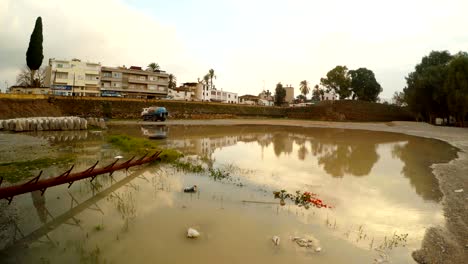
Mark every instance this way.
x=73 y=87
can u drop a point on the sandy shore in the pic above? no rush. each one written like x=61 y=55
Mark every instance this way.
x=441 y=244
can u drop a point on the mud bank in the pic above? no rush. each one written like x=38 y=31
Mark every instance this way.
x=441 y=244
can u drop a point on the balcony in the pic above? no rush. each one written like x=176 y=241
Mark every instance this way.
x=125 y=89
x=110 y=79
x=138 y=80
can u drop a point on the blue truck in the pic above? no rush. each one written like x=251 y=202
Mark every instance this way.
x=154 y=113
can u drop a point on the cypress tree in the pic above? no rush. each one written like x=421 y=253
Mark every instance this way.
x=34 y=54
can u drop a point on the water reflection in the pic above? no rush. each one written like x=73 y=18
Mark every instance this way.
x=418 y=155
x=39 y=204
x=368 y=177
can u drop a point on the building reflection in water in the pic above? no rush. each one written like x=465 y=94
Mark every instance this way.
x=338 y=152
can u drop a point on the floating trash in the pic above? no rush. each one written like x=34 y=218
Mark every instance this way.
x=307 y=243
x=118 y=157
x=192 y=233
x=191 y=189
x=458 y=191
x=276 y=240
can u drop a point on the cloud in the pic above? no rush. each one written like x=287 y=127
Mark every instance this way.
x=246 y=42
x=105 y=31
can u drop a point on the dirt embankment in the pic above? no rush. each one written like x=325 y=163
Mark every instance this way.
x=13 y=108
x=131 y=109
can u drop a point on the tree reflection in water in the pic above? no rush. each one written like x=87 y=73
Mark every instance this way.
x=339 y=152
x=418 y=154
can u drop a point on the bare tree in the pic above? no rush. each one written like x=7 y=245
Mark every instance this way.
x=24 y=77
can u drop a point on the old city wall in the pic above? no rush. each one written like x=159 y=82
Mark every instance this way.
x=118 y=108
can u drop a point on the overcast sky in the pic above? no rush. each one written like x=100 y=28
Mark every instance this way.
x=250 y=44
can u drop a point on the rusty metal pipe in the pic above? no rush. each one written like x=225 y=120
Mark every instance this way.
x=37 y=184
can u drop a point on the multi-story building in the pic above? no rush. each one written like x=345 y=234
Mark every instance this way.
x=214 y=95
x=65 y=77
x=133 y=82
x=289 y=94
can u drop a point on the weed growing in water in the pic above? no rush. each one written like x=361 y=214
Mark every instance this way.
x=188 y=166
x=395 y=241
x=218 y=174
x=19 y=170
x=141 y=146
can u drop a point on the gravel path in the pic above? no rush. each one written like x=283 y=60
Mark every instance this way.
x=442 y=244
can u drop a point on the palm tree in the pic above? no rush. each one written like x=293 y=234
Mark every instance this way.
x=304 y=88
x=206 y=78
x=153 y=66
x=172 y=81
x=212 y=75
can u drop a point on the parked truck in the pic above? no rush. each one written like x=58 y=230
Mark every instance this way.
x=154 y=113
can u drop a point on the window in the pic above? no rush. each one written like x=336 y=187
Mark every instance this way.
x=61 y=75
x=117 y=75
x=152 y=87
x=59 y=65
x=116 y=84
x=142 y=78
x=107 y=74
x=91 y=77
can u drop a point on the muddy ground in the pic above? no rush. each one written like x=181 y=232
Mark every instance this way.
x=441 y=244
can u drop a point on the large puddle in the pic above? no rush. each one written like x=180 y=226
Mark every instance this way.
x=380 y=186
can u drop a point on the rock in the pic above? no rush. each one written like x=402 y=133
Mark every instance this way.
x=276 y=240
x=192 y=233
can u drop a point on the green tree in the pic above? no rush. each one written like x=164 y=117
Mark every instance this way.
x=280 y=94
x=456 y=87
x=338 y=80
x=364 y=85
x=153 y=67
x=304 y=88
x=317 y=93
x=206 y=79
x=172 y=81
x=425 y=93
x=212 y=75
x=34 y=54
x=301 y=98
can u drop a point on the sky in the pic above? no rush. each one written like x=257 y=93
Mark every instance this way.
x=251 y=45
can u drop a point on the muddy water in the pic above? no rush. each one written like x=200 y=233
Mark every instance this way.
x=379 y=184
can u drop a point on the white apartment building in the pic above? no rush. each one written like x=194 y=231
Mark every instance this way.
x=73 y=77
x=220 y=96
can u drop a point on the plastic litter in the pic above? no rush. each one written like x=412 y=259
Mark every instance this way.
x=192 y=233
x=118 y=157
x=307 y=243
x=276 y=240
x=459 y=191
x=191 y=189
